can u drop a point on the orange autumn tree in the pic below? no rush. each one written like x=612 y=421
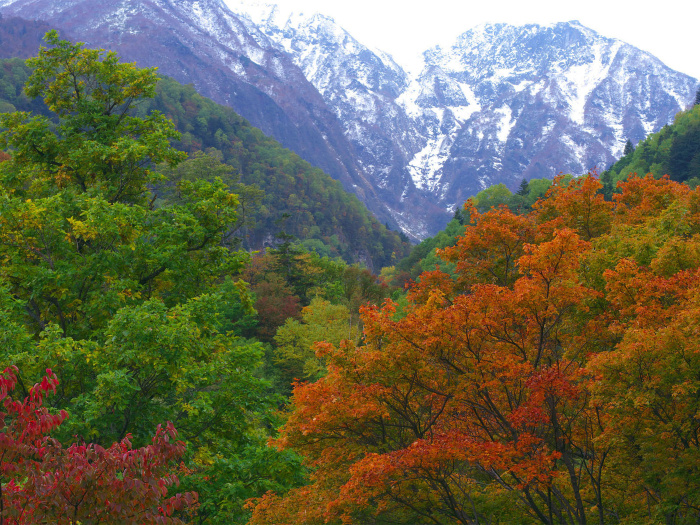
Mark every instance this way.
x=649 y=383
x=510 y=392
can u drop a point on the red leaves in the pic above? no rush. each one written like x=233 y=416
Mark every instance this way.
x=82 y=483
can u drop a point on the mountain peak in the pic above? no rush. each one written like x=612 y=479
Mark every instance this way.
x=500 y=103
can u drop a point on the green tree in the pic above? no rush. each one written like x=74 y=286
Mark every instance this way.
x=209 y=166
x=606 y=180
x=629 y=148
x=122 y=293
x=492 y=197
x=80 y=234
x=320 y=321
x=523 y=189
x=97 y=145
x=538 y=189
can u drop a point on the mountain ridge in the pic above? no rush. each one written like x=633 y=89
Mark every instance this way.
x=462 y=109
x=500 y=104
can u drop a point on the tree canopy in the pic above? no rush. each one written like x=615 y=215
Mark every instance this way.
x=121 y=290
x=550 y=377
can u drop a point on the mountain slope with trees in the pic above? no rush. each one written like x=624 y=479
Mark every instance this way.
x=295 y=198
x=124 y=291
x=501 y=103
x=673 y=151
x=547 y=371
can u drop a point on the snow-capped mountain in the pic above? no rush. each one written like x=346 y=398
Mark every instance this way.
x=361 y=85
x=505 y=102
x=501 y=104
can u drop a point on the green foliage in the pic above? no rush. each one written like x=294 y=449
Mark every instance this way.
x=520 y=202
x=537 y=189
x=320 y=321
x=286 y=279
x=97 y=145
x=209 y=166
x=492 y=197
x=318 y=207
x=298 y=296
x=423 y=257
x=134 y=301
x=13 y=75
x=673 y=151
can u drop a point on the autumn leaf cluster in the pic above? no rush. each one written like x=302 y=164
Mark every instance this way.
x=551 y=376
x=42 y=482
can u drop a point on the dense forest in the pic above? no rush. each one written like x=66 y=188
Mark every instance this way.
x=281 y=194
x=538 y=361
x=550 y=376
x=127 y=298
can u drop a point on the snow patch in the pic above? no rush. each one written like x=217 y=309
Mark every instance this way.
x=578 y=150
x=506 y=123
x=649 y=127
x=549 y=126
x=522 y=85
x=426 y=165
x=407 y=100
x=408 y=223
x=578 y=82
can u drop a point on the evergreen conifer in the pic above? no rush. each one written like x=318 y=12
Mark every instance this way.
x=523 y=189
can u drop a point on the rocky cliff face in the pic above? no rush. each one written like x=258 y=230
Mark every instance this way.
x=501 y=104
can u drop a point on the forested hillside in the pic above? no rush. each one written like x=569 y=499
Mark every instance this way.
x=673 y=151
x=21 y=38
x=296 y=199
x=542 y=366
x=159 y=350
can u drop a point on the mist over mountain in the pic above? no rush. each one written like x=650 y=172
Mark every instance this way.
x=501 y=104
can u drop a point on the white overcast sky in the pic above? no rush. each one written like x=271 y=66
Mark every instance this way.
x=668 y=29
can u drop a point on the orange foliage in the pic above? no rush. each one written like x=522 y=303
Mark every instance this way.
x=556 y=373
x=645 y=198
x=488 y=252
x=578 y=205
